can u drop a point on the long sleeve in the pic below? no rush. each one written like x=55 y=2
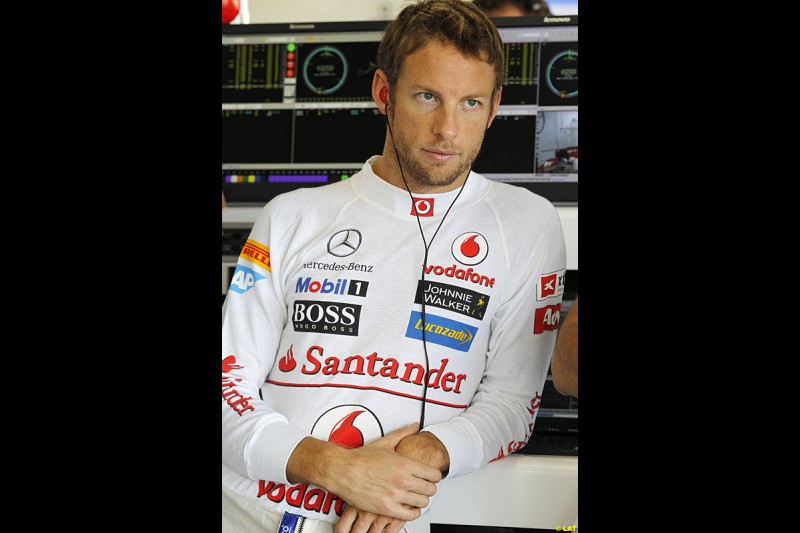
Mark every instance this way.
x=256 y=439
x=501 y=415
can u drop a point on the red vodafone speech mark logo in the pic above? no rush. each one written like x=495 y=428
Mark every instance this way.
x=422 y=207
x=470 y=248
x=346 y=434
x=350 y=426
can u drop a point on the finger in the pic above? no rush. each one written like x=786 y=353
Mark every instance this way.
x=402 y=512
x=419 y=486
x=414 y=500
x=379 y=524
x=345 y=523
x=394 y=526
x=426 y=473
x=370 y=523
x=363 y=522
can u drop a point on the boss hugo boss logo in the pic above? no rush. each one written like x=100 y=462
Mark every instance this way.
x=422 y=207
x=344 y=243
x=335 y=318
x=470 y=248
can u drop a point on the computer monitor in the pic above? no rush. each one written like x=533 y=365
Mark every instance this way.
x=297 y=109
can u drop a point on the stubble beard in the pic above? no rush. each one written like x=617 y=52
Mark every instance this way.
x=432 y=175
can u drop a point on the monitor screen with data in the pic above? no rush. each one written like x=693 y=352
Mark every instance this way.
x=297 y=109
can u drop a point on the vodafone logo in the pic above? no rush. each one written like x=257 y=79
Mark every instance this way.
x=470 y=248
x=422 y=207
x=350 y=426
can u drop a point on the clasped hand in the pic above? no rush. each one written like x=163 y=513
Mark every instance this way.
x=402 y=483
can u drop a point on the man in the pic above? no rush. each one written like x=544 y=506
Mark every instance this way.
x=397 y=327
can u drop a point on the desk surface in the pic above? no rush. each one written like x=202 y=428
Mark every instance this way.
x=530 y=491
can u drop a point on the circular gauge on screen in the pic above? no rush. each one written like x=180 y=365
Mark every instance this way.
x=562 y=74
x=325 y=70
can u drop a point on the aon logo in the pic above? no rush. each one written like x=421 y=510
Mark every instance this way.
x=547 y=319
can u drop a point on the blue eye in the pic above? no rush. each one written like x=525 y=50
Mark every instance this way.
x=473 y=103
x=427 y=96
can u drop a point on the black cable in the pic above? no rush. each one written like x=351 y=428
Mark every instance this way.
x=426 y=245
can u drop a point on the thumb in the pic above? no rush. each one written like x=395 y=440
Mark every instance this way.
x=392 y=439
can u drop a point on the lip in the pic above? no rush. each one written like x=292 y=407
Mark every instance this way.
x=440 y=156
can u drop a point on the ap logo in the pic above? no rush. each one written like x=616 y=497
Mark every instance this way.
x=244 y=278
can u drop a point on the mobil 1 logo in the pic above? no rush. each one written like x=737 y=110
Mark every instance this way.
x=353 y=287
x=334 y=318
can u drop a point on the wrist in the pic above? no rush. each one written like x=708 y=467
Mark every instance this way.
x=314 y=461
x=427 y=448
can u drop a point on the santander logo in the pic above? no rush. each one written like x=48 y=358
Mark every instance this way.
x=287 y=362
x=229 y=363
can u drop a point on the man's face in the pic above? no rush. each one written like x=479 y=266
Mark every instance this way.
x=441 y=107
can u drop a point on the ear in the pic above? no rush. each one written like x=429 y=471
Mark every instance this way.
x=380 y=88
x=495 y=107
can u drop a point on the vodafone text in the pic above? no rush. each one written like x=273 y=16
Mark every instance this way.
x=459 y=273
x=300 y=496
x=374 y=366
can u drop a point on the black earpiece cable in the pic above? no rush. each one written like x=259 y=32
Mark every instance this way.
x=424 y=262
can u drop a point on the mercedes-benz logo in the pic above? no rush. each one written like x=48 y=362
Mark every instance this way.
x=344 y=243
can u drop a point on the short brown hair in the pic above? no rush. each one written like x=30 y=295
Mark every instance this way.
x=530 y=7
x=456 y=22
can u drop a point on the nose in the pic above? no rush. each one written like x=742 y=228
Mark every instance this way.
x=445 y=125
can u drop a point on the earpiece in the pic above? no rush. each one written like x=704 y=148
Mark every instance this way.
x=383 y=96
